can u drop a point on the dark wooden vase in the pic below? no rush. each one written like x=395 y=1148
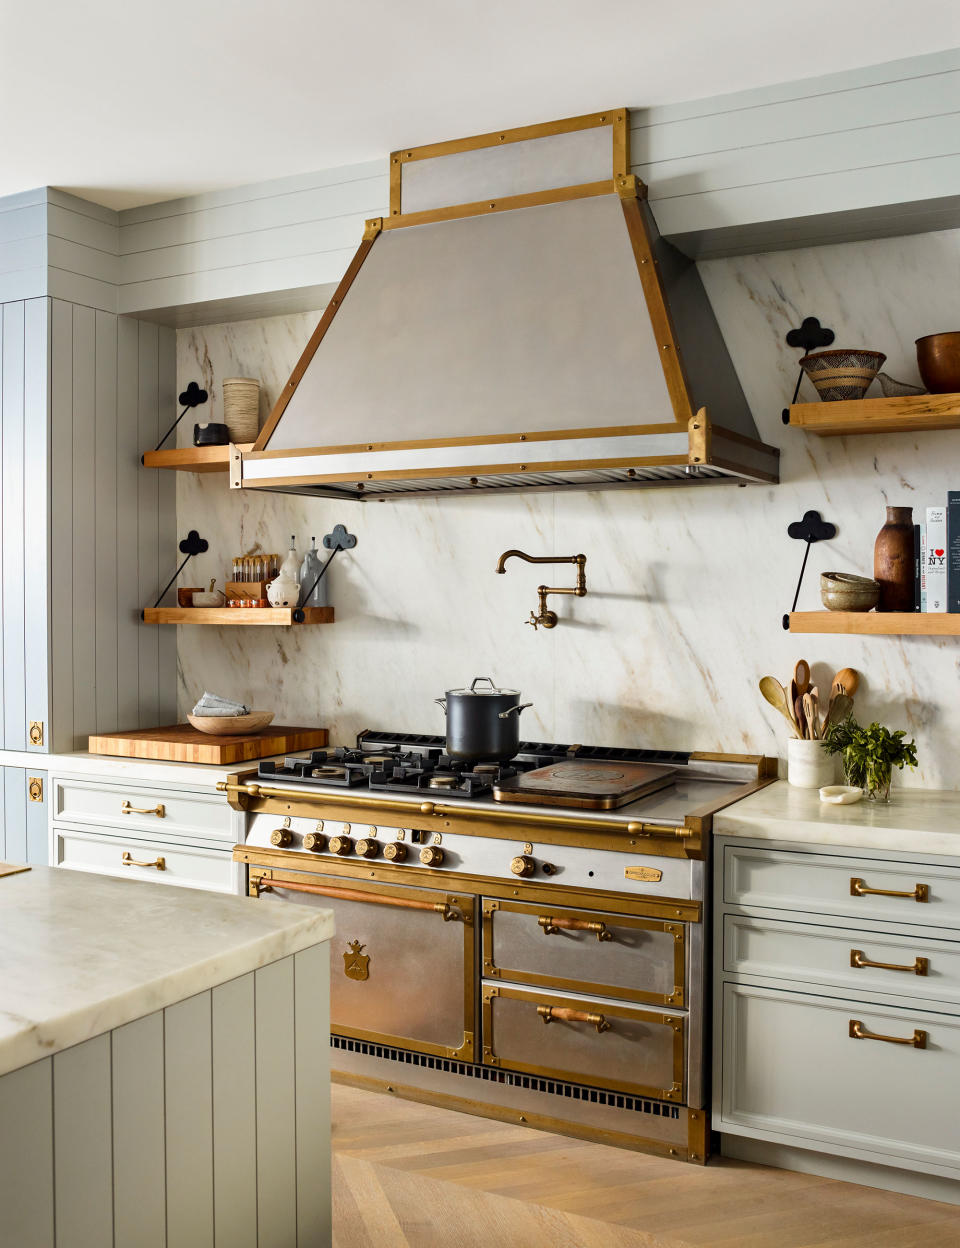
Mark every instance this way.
x=893 y=561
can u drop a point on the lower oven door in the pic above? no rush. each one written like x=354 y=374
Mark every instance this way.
x=591 y=1040
x=401 y=961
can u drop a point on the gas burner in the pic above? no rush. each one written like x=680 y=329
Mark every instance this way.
x=327 y=772
x=443 y=780
x=486 y=769
x=378 y=758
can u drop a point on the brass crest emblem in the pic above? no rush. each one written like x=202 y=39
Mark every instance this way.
x=356 y=965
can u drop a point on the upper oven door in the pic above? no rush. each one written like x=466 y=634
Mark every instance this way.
x=401 y=963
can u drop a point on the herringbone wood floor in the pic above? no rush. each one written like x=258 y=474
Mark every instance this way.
x=413 y=1175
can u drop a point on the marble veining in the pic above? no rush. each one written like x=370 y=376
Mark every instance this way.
x=81 y=954
x=917 y=821
x=686 y=586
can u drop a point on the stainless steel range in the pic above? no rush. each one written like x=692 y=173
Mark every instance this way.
x=522 y=940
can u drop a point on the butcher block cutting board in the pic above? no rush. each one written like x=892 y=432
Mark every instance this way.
x=181 y=743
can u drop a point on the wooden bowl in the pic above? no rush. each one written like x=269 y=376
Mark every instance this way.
x=938 y=358
x=231 y=725
x=842 y=591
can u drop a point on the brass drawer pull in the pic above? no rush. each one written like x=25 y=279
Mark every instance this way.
x=919 y=966
x=128 y=861
x=921 y=892
x=159 y=810
x=550 y=1012
x=917 y=1041
x=551 y=926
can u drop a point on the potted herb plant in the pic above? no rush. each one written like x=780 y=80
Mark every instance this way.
x=870 y=755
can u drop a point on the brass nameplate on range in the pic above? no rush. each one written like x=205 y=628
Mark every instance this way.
x=356 y=963
x=649 y=874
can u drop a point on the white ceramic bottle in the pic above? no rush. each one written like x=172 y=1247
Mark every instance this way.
x=309 y=571
x=285 y=590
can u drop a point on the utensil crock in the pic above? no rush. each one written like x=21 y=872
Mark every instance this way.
x=809 y=766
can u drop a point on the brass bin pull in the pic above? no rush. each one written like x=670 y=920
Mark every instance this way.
x=917 y=1041
x=159 y=810
x=919 y=966
x=451 y=914
x=129 y=861
x=549 y=1013
x=551 y=926
x=921 y=892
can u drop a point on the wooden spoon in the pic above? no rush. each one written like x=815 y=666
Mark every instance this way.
x=801 y=674
x=776 y=695
x=841 y=704
x=846 y=681
x=801 y=718
x=810 y=711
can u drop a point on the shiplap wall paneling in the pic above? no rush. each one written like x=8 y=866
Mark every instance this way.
x=311 y=969
x=26 y=1157
x=23 y=245
x=36 y=528
x=188 y=1079
x=60 y=730
x=234 y=1114
x=15 y=839
x=11 y=436
x=139 y=1155
x=168 y=556
x=276 y=1106
x=148 y=511
x=128 y=451
x=84 y=528
x=104 y=554
x=83 y=1144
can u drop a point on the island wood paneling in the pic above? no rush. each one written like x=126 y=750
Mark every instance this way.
x=151 y=1134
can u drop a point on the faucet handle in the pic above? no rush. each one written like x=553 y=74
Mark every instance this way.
x=534 y=620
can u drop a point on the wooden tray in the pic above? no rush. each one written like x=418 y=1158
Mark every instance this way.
x=181 y=743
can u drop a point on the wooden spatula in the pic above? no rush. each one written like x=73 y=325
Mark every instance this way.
x=776 y=695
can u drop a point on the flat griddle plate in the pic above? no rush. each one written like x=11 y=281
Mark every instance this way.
x=596 y=786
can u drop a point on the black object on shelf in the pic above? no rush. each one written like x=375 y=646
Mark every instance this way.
x=193 y=396
x=811 y=528
x=809 y=335
x=192 y=544
x=338 y=540
x=212 y=434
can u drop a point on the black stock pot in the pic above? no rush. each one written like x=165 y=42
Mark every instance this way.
x=483 y=725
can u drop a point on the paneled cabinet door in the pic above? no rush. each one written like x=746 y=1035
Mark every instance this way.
x=23 y=816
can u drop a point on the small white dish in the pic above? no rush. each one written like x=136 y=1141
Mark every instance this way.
x=840 y=794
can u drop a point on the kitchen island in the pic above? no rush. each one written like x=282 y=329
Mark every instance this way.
x=163 y=1066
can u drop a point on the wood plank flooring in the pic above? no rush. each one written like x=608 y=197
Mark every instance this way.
x=414 y=1176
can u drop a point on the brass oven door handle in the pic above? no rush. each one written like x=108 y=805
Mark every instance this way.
x=917 y=1041
x=159 y=810
x=919 y=966
x=551 y=1012
x=450 y=914
x=551 y=926
x=921 y=892
x=129 y=861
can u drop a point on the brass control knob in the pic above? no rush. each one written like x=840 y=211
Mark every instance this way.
x=341 y=845
x=523 y=864
x=368 y=848
x=431 y=855
x=315 y=841
x=281 y=837
x=396 y=851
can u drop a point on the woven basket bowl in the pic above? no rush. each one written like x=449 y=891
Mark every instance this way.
x=841 y=374
x=241 y=408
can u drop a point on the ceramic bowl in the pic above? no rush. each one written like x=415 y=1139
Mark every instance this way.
x=185 y=596
x=842 y=591
x=842 y=374
x=208 y=598
x=938 y=358
x=231 y=725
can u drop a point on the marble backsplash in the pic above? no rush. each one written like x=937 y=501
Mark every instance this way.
x=686 y=586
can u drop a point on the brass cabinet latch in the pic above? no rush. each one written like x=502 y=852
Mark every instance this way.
x=35 y=788
x=545 y=618
x=36 y=732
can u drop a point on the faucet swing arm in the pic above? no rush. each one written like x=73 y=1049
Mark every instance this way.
x=545 y=617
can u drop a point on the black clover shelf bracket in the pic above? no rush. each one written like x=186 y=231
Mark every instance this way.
x=811 y=528
x=808 y=336
x=193 y=396
x=192 y=544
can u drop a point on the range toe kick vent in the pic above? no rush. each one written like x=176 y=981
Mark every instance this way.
x=506 y=1078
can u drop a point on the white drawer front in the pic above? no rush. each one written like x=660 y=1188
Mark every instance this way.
x=802 y=953
x=194 y=868
x=97 y=803
x=792 y=1071
x=820 y=885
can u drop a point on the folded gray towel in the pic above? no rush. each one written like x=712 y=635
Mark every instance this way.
x=213 y=704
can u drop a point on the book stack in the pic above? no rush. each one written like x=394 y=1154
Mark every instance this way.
x=936 y=547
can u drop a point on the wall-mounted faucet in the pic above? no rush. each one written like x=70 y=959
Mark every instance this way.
x=543 y=617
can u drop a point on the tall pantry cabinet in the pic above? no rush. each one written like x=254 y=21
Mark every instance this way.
x=88 y=535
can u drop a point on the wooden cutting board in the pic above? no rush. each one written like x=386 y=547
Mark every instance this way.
x=11 y=868
x=181 y=743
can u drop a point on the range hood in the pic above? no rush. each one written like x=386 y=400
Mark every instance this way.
x=515 y=323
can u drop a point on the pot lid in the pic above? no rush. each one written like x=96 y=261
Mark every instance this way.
x=490 y=690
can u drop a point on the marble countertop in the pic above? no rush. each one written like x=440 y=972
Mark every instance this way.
x=915 y=820
x=81 y=954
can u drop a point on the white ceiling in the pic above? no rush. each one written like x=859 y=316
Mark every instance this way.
x=125 y=102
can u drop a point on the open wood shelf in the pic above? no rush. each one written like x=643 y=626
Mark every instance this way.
x=193 y=458
x=249 y=617
x=879 y=623
x=912 y=413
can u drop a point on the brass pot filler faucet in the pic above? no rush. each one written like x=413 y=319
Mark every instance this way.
x=549 y=619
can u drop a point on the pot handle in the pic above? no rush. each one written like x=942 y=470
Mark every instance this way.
x=477 y=679
x=441 y=702
x=510 y=710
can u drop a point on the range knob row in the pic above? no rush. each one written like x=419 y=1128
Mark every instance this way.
x=368 y=847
